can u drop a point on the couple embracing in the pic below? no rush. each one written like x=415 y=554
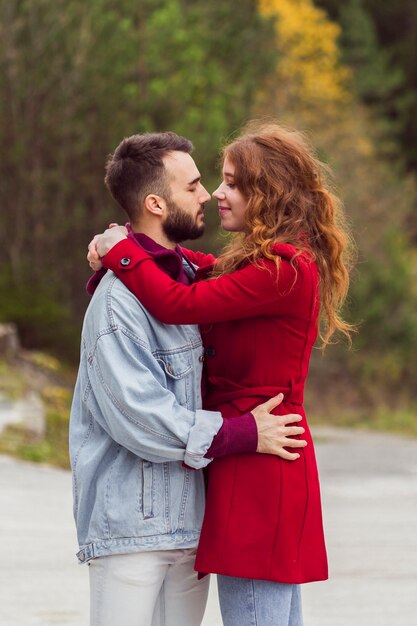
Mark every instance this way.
x=190 y=449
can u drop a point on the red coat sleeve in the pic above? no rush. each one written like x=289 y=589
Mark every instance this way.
x=199 y=258
x=249 y=292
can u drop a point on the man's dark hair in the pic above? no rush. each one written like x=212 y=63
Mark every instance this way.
x=136 y=169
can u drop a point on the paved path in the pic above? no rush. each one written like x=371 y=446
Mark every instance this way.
x=369 y=485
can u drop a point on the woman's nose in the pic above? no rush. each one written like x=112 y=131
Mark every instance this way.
x=219 y=194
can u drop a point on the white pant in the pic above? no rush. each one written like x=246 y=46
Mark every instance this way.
x=157 y=588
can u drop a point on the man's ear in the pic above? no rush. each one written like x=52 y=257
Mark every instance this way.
x=155 y=204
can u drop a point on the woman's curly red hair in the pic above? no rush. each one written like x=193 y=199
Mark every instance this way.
x=290 y=201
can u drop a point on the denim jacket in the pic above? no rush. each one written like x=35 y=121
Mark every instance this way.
x=136 y=417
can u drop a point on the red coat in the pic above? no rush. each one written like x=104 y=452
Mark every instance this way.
x=263 y=514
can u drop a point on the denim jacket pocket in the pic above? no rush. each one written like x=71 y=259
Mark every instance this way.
x=178 y=370
x=147 y=489
x=176 y=365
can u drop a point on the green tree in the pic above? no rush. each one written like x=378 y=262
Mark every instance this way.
x=76 y=77
x=378 y=196
x=380 y=41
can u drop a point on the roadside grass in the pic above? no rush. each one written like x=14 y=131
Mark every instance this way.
x=399 y=421
x=12 y=382
x=52 y=447
x=18 y=441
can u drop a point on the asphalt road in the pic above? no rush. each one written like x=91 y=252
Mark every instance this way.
x=369 y=488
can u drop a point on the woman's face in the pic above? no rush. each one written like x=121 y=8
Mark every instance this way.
x=232 y=203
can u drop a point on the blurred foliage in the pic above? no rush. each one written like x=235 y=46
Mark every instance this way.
x=37 y=375
x=12 y=383
x=384 y=297
x=379 y=198
x=308 y=66
x=379 y=41
x=76 y=77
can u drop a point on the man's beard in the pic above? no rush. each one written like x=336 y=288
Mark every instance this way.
x=179 y=225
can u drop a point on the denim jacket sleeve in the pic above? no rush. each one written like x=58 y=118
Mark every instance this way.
x=128 y=399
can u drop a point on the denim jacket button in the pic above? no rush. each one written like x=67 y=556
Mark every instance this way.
x=125 y=261
x=81 y=556
x=170 y=369
x=201 y=358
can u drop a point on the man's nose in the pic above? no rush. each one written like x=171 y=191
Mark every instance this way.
x=205 y=196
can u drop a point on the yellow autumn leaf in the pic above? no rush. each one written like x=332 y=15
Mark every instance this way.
x=309 y=69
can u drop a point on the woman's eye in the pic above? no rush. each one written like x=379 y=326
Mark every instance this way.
x=231 y=185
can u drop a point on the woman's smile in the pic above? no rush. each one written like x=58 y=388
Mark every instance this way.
x=224 y=210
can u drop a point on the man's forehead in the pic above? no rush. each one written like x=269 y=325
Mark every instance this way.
x=181 y=166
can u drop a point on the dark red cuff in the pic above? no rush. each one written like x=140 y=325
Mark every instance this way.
x=94 y=281
x=238 y=434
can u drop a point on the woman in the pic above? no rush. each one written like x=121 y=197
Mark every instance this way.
x=259 y=307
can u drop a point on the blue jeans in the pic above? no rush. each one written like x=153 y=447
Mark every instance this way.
x=246 y=602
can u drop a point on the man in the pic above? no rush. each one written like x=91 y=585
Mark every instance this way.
x=138 y=433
